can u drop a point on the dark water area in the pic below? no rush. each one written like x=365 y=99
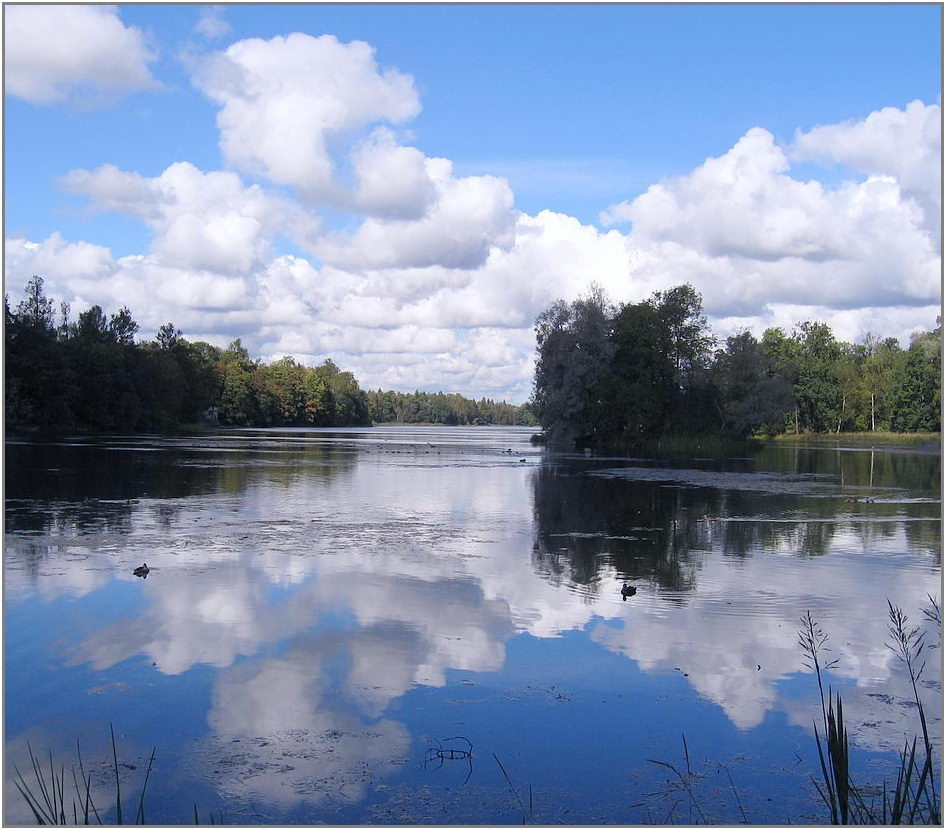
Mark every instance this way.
x=425 y=625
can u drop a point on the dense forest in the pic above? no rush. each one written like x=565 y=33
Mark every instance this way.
x=438 y=408
x=93 y=374
x=623 y=374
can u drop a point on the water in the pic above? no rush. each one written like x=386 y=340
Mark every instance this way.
x=425 y=625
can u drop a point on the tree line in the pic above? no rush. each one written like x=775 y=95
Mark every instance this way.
x=609 y=374
x=93 y=374
x=440 y=408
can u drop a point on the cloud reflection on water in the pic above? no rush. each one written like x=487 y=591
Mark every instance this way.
x=322 y=600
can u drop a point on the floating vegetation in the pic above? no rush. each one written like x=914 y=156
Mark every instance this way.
x=444 y=751
x=804 y=484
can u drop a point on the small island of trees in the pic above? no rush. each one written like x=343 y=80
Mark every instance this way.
x=621 y=375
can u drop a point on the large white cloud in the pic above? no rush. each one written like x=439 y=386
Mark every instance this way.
x=748 y=234
x=283 y=101
x=471 y=215
x=202 y=221
x=78 y=54
x=905 y=144
x=392 y=180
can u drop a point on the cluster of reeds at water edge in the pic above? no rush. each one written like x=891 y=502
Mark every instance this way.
x=46 y=796
x=915 y=798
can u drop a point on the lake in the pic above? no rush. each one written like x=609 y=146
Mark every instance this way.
x=425 y=625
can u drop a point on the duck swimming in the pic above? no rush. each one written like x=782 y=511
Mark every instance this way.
x=144 y=570
x=627 y=591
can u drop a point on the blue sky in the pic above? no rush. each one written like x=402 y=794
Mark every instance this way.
x=823 y=121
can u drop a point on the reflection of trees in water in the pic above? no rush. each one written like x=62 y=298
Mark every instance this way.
x=587 y=525
x=903 y=469
x=66 y=518
x=94 y=487
x=926 y=536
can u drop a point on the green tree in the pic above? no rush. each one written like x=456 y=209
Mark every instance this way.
x=92 y=326
x=749 y=399
x=238 y=401
x=917 y=400
x=574 y=352
x=881 y=368
x=283 y=382
x=35 y=310
x=350 y=402
x=168 y=337
x=855 y=406
x=38 y=383
x=689 y=340
x=638 y=387
x=781 y=358
x=239 y=405
x=122 y=327
x=316 y=398
x=818 y=386
x=689 y=345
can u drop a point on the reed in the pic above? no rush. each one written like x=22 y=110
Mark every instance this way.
x=526 y=813
x=686 y=781
x=914 y=798
x=46 y=794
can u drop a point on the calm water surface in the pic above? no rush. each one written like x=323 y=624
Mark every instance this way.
x=357 y=626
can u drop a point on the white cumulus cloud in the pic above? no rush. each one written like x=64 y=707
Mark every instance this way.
x=471 y=215
x=283 y=101
x=392 y=180
x=906 y=144
x=73 y=54
x=753 y=239
x=207 y=221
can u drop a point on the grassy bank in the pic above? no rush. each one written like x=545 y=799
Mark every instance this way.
x=863 y=438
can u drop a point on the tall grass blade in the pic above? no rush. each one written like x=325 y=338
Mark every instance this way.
x=55 y=791
x=140 y=818
x=62 y=792
x=28 y=797
x=118 y=786
x=745 y=818
x=88 y=787
x=828 y=795
x=838 y=752
x=85 y=806
x=509 y=782
x=41 y=782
